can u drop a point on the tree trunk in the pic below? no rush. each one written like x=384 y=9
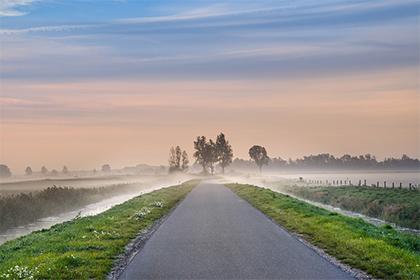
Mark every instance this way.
x=223 y=169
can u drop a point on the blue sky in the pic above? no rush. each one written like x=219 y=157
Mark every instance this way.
x=319 y=70
x=215 y=39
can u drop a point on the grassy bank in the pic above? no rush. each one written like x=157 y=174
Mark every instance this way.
x=24 y=208
x=399 y=206
x=86 y=248
x=381 y=252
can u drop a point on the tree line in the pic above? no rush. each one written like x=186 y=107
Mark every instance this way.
x=5 y=171
x=328 y=161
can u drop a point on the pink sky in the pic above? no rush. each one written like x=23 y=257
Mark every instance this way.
x=125 y=122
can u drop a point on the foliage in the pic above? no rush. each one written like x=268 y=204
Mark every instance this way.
x=399 y=206
x=259 y=155
x=86 y=248
x=178 y=159
x=25 y=208
x=327 y=161
x=224 y=151
x=205 y=153
x=382 y=252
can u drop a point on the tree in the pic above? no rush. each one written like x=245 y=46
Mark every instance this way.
x=259 y=155
x=185 y=161
x=175 y=155
x=224 y=151
x=28 y=171
x=54 y=172
x=205 y=153
x=44 y=170
x=106 y=168
x=65 y=170
x=5 y=171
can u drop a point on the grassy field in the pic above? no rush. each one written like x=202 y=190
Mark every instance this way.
x=25 y=208
x=399 y=206
x=380 y=251
x=86 y=248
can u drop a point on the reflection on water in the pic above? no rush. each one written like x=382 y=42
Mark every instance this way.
x=88 y=210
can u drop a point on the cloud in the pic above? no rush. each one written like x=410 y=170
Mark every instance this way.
x=51 y=28
x=10 y=8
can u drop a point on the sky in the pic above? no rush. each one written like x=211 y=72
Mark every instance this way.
x=87 y=82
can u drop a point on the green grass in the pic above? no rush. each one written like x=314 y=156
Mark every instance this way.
x=86 y=248
x=380 y=251
x=399 y=206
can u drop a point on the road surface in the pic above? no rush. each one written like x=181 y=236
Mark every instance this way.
x=214 y=234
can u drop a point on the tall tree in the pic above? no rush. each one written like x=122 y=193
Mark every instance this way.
x=185 y=161
x=65 y=170
x=5 y=171
x=178 y=159
x=205 y=153
x=200 y=153
x=259 y=155
x=175 y=155
x=224 y=151
x=172 y=160
x=28 y=171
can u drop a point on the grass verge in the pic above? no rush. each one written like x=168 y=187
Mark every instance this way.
x=86 y=248
x=399 y=206
x=380 y=251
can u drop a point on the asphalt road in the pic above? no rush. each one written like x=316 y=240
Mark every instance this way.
x=214 y=234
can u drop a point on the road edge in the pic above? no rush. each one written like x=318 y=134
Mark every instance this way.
x=354 y=272
x=137 y=244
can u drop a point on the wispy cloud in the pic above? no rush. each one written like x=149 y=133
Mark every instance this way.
x=12 y=7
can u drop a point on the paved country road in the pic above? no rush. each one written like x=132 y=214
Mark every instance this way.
x=214 y=234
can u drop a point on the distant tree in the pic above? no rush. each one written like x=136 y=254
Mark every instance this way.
x=184 y=161
x=106 y=168
x=175 y=156
x=5 y=171
x=54 y=172
x=28 y=171
x=44 y=170
x=259 y=155
x=65 y=170
x=205 y=153
x=223 y=151
x=178 y=159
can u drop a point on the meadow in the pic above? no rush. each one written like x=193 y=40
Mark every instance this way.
x=382 y=252
x=86 y=248
x=398 y=206
x=23 y=208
